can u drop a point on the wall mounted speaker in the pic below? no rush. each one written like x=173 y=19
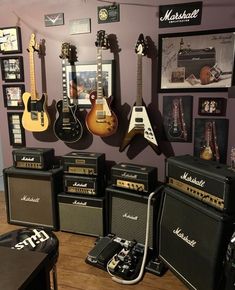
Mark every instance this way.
x=31 y=196
x=80 y=214
x=127 y=212
x=193 y=239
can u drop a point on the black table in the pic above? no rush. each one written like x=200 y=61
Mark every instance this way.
x=23 y=270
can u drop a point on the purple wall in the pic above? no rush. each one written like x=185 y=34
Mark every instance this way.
x=135 y=17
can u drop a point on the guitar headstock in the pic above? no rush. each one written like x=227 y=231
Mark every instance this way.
x=102 y=40
x=68 y=52
x=141 y=45
x=33 y=46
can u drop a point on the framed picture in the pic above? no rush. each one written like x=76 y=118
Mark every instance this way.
x=12 y=95
x=211 y=139
x=177 y=118
x=81 y=81
x=212 y=106
x=12 y=68
x=16 y=130
x=196 y=61
x=10 y=40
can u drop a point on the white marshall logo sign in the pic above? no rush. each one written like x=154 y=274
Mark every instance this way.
x=193 y=180
x=178 y=232
x=130 y=217
x=180 y=14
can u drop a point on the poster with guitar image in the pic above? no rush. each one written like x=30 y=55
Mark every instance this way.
x=101 y=120
x=177 y=118
x=211 y=139
x=35 y=117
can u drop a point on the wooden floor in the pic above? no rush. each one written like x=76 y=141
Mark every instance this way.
x=75 y=274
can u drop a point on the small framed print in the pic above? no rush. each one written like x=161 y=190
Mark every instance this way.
x=54 y=19
x=212 y=106
x=12 y=95
x=12 y=68
x=10 y=40
x=16 y=130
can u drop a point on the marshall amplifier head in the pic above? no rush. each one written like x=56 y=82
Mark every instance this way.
x=85 y=163
x=193 y=239
x=33 y=158
x=80 y=214
x=127 y=212
x=193 y=60
x=134 y=177
x=31 y=196
x=85 y=185
x=206 y=180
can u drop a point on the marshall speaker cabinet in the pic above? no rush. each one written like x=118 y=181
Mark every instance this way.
x=193 y=239
x=31 y=196
x=205 y=180
x=128 y=212
x=193 y=60
x=81 y=214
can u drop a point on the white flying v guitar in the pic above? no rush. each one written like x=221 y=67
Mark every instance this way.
x=139 y=122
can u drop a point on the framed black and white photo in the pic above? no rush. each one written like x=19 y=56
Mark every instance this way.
x=196 y=61
x=12 y=95
x=10 y=40
x=81 y=81
x=16 y=130
x=12 y=68
x=212 y=106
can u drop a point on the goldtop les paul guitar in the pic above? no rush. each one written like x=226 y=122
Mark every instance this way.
x=67 y=127
x=35 y=117
x=101 y=120
x=139 y=121
x=207 y=151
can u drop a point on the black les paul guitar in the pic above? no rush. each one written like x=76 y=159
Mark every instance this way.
x=67 y=127
x=139 y=123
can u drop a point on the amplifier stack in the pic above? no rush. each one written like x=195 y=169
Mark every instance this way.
x=81 y=204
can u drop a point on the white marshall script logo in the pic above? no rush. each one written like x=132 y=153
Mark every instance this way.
x=80 y=184
x=33 y=241
x=179 y=17
x=27 y=158
x=125 y=174
x=178 y=233
x=130 y=217
x=80 y=203
x=193 y=180
x=30 y=199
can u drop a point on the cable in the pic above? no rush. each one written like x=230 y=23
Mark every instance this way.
x=139 y=277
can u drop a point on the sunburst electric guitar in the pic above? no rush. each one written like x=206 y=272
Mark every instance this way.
x=35 y=117
x=67 y=127
x=139 y=121
x=101 y=120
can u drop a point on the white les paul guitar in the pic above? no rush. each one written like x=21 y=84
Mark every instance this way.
x=139 y=122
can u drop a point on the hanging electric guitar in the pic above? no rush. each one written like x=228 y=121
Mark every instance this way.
x=139 y=122
x=175 y=130
x=35 y=117
x=67 y=127
x=206 y=151
x=101 y=120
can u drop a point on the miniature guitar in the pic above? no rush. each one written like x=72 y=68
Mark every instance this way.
x=139 y=121
x=67 y=127
x=35 y=117
x=206 y=151
x=175 y=130
x=101 y=120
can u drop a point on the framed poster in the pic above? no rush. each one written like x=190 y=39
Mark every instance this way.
x=10 y=40
x=12 y=68
x=12 y=95
x=81 y=81
x=16 y=130
x=196 y=61
x=212 y=106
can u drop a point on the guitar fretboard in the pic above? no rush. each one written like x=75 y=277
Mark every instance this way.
x=139 y=99
x=32 y=75
x=64 y=83
x=99 y=74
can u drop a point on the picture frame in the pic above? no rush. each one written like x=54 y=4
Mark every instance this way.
x=12 y=95
x=177 y=118
x=212 y=106
x=10 y=40
x=16 y=129
x=12 y=68
x=211 y=139
x=196 y=61
x=81 y=81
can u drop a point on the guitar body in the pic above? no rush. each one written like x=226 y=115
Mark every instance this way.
x=35 y=117
x=206 y=153
x=139 y=125
x=101 y=120
x=175 y=131
x=67 y=127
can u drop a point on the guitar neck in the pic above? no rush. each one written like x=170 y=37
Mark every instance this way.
x=139 y=99
x=32 y=77
x=64 y=83
x=99 y=74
